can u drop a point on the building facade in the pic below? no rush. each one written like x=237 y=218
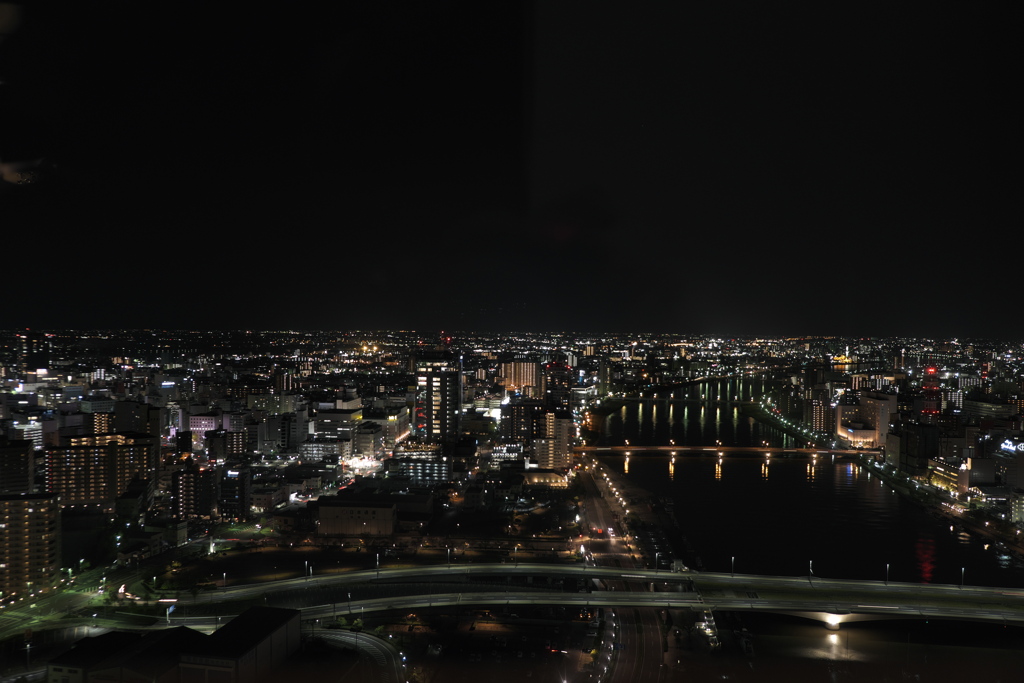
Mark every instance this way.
x=29 y=544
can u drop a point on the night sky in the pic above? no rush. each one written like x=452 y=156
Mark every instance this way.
x=742 y=168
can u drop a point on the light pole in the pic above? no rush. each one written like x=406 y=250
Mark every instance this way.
x=305 y=572
x=656 y=562
x=225 y=582
x=378 y=565
x=886 y=573
x=449 y=556
x=962 y=570
x=734 y=566
x=350 y=603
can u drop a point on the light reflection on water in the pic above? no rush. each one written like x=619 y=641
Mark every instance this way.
x=780 y=513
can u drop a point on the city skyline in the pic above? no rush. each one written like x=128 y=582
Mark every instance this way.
x=436 y=490
x=527 y=166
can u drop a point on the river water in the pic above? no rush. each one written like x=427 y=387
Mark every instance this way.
x=789 y=515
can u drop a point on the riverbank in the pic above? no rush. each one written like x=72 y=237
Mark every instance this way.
x=934 y=504
x=649 y=518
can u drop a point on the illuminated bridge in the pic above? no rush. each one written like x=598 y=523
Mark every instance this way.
x=716 y=450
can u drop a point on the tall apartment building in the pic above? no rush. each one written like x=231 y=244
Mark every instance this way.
x=33 y=352
x=558 y=382
x=521 y=377
x=29 y=544
x=523 y=420
x=95 y=469
x=223 y=445
x=438 y=399
x=820 y=414
x=554 y=450
x=235 y=498
x=194 y=492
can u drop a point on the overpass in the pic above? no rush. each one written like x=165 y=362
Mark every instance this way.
x=832 y=601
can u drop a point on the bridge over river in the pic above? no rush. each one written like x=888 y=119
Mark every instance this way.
x=716 y=450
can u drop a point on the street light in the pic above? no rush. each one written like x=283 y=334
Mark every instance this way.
x=886 y=573
x=656 y=562
x=962 y=570
x=734 y=566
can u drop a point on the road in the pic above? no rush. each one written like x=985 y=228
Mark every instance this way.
x=635 y=633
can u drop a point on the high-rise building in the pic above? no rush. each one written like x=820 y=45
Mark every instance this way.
x=130 y=416
x=818 y=410
x=95 y=469
x=29 y=544
x=236 y=493
x=558 y=383
x=521 y=377
x=16 y=466
x=224 y=445
x=523 y=420
x=554 y=450
x=929 y=403
x=194 y=492
x=33 y=353
x=438 y=398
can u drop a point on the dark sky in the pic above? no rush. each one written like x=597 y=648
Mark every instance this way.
x=743 y=168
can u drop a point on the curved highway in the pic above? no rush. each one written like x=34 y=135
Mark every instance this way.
x=714 y=591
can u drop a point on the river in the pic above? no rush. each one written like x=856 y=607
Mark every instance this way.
x=792 y=515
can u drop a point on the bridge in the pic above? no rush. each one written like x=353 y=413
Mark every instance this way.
x=718 y=450
x=831 y=601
